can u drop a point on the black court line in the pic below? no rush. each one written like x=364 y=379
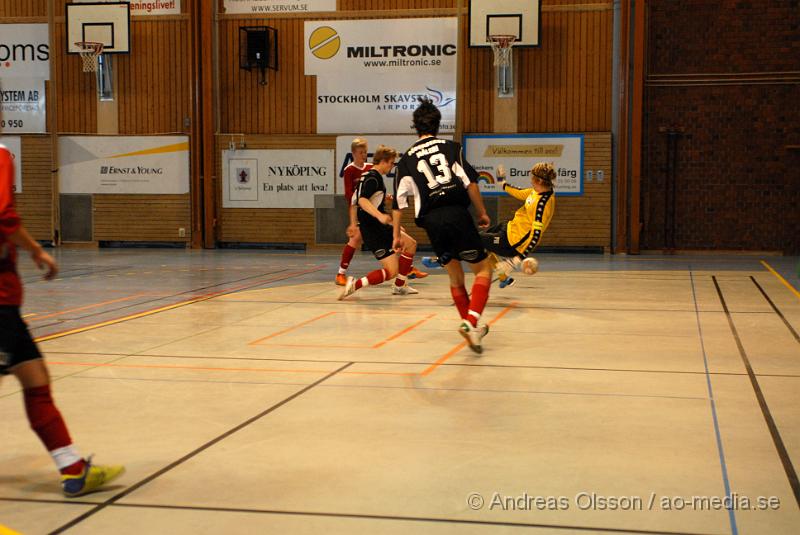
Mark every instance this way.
x=148 y=479
x=356 y=516
x=776 y=309
x=791 y=474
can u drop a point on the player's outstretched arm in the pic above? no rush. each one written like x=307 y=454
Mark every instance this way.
x=22 y=239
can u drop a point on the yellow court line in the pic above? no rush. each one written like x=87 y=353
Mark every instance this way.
x=780 y=278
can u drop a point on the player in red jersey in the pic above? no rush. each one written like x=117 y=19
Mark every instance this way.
x=20 y=357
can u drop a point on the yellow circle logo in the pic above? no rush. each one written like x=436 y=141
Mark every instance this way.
x=324 y=42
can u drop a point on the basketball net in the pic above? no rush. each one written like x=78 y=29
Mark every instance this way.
x=89 y=51
x=501 y=48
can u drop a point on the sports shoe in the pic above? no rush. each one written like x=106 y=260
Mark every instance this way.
x=349 y=288
x=416 y=274
x=90 y=479
x=431 y=262
x=473 y=335
x=341 y=279
x=508 y=281
x=403 y=290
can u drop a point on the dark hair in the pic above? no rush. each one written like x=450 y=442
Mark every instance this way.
x=427 y=117
x=384 y=153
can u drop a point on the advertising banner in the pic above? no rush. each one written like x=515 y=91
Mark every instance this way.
x=24 y=51
x=278 y=6
x=14 y=145
x=519 y=152
x=276 y=178
x=144 y=8
x=371 y=73
x=22 y=106
x=124 y=165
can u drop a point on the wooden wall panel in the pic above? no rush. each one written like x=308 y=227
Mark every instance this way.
x=565 y=85
x=153 y=87
x=23 y=8
x=141 y=218
x=35 y=201
x=76 y=90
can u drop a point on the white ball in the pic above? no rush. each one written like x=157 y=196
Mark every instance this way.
x=530 y=266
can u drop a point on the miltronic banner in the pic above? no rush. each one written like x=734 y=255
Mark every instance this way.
x=278 y=6
x=275 y=178
x=24 y=51
x=519 y=152
x=371 y=73
x=124 y=165
x=22 y=106
x=14 y=146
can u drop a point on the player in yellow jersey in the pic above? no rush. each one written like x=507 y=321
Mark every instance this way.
x=512 y=242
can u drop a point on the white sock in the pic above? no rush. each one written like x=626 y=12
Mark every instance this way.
x=66 y=456
x=342 y=271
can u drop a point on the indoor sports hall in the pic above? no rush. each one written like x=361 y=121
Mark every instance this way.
x=185 y=239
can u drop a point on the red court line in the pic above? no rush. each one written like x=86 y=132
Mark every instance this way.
x=202 y=297
x=206 y=368
x=444 y=358
x=404 y=331
x=290 y=329
x=54 y=314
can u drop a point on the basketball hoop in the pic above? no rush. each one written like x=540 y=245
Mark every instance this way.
x=89 y=51
x=501 y=47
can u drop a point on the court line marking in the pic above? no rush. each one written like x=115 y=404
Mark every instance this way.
x=776 y=309
x=444 y=358
x=777 y=440
x=86 y=307
x=204 y=297
x=712 y=402
x=780 y=278
x=195 y=452
x=342 y=346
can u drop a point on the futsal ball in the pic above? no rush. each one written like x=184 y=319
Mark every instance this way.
x=530 y=266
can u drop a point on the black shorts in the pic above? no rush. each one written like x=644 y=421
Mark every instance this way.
x=378 y=238
x=453 y=235
x=495 y=239
x=16 y=344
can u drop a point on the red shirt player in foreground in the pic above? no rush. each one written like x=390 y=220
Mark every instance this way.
x=434 y=173
x=352 y=174
x=20 y=357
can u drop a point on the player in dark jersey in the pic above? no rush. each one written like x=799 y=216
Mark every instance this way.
x=434 y=173
x=376 y=230
x=20 y=356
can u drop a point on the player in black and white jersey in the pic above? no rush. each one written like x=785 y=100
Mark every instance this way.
x=434 y=173
x=376 y=230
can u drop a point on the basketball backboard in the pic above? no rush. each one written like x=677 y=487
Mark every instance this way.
x=102 y=22
x=520 y=18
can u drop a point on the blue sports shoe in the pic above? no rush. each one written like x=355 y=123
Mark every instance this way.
x=431 y=262
x=509 y=281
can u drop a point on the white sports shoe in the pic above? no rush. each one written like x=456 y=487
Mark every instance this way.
x=349 y=288
x=403 y=290
x=473 y=335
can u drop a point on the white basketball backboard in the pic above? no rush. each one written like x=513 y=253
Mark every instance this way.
x=102 y=22
x=520 y=18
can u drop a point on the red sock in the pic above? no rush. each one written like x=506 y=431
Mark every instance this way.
x=461 y=299
x=404 y=269
x=347 y=256
x=480 y=294
x=47 y=423
x=372 y=278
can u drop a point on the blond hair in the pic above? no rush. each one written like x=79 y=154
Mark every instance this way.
x=545 y=172
x=384 y=153
x=358 y=142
